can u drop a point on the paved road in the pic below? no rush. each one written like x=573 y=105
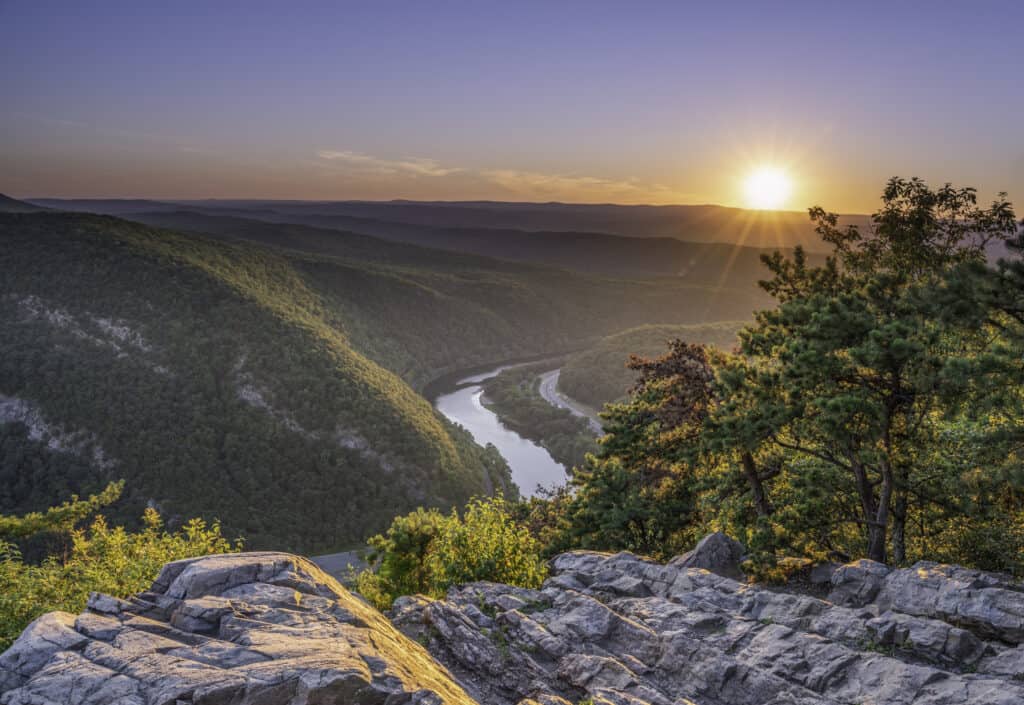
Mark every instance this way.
x=549 y=391
x=337 y=564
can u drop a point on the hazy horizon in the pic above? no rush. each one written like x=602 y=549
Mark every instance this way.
x=578 y=103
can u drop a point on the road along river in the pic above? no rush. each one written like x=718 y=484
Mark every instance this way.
x=549 y=391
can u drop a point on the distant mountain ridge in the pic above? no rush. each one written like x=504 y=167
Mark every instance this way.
x=12 y=205
x=704 y=223
x=700 y=262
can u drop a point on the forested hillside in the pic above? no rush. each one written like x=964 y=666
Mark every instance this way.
x=255 y=384
x=422 y=312
x=598 y=375
x=210 y=377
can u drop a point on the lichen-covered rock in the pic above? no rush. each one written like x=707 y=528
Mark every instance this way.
x=250 y=628
x=618 y=629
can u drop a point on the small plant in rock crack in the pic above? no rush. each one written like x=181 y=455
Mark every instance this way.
x=481 y=603
x=534 y=606
x=874 y=646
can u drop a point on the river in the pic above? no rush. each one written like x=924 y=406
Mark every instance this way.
x=530 y=464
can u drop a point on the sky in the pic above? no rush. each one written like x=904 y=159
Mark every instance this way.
x=627 y=102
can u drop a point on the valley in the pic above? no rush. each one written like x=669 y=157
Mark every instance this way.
x=511 y=354
x=305 y=347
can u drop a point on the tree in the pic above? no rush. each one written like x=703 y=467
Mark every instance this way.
x=855 y=368
x=877 y=410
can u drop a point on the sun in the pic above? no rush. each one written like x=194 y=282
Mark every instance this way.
x=767 y=188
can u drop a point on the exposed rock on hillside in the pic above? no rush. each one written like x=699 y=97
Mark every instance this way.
x=251 y=628
x=621 y=630
x=272 y=629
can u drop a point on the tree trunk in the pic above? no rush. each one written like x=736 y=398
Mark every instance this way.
x=899 y=528
x=764 y=509
x=877 y=531
x=875 y=513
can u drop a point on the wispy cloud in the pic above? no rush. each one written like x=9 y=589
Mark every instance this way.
x=535 y=183
x=409 y=166
x=530 y=185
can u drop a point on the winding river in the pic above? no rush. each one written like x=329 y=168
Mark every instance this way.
x=531 y=465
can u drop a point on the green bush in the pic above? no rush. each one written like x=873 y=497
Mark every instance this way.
x=103 y=559
x=428 y=552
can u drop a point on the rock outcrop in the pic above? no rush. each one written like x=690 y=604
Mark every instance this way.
x=272 y=629
x=243 y=629
x=620 y=630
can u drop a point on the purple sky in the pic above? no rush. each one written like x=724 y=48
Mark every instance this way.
x=589 y=101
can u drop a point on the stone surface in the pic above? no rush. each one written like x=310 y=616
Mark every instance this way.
x=621 y=630
x=272 y=629
x=243 y=629
x=858 y=583
x=717 y=553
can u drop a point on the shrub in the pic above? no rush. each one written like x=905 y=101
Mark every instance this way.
x=428 y=552
x=102 y=559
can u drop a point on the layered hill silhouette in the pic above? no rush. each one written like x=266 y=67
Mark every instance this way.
x=701 y=244
x=12 y=205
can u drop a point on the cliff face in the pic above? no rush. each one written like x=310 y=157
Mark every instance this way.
x=271 y=629
x=250 y=628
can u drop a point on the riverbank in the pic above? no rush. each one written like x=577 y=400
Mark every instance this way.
x=531 y=465
x=514 y=396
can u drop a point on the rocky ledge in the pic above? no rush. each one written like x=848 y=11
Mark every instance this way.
x=244 y=629
x=619 y=630
x=271 y=628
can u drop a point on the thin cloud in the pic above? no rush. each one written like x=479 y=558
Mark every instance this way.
x=412 y=167
x=531 y=185
x=537 y=184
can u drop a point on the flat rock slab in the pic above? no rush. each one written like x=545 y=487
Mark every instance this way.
x=239 y=629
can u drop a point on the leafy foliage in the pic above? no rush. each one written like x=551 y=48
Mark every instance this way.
x=428 y=552
x=61 y=518
x=875 y=411
x=102 y=558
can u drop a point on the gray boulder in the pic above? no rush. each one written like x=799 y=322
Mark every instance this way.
x=244 y=629
x=858 y=583
x=716 y=553
x=988 y=604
